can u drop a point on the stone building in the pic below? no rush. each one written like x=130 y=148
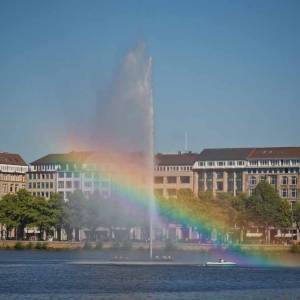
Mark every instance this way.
x=173 y=172
x=12 y=173
x=64 y=173
x=237 y=170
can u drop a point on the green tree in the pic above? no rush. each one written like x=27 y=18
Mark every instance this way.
x=296 y=215
x=264 y=208
x=77 y=212
x=62 y=213
x=93 y=214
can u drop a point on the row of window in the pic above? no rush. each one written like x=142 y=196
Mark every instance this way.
x=42 y=194
x=87 y=184
x=264 y=162
x=10 y=188
x=230 y=163
x=172 y=179
x=41 y=176
x=285 y=180
x=67 y=195
x=170 y=192
x=40 y=185
x=12 y=177
x=13 y=169
x=173 y=168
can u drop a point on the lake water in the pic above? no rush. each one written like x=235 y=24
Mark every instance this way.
x=77 y=275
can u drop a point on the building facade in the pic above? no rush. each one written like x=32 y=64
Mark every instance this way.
x=12 y=173
x=237 y=170
x=173 y=172
x=65 y=173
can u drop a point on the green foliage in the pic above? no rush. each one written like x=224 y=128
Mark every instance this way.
x=126 y=245
x=19 y=246
x=170 y=246
x=116 y=245
x=296 y=214
x=99 y=246
x=41 y=246
x=295 y=248
x=29 y=245
x=88 y=246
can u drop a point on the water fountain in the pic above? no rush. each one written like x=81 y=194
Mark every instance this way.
x=125 y=120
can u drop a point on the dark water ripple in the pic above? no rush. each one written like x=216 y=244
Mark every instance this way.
x=50 y=275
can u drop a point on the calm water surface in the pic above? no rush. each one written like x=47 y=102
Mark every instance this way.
x=59 y=275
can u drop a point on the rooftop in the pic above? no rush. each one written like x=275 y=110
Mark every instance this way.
x=176 y=159
x=250 y=153
x=11 y=159
x=62 y=158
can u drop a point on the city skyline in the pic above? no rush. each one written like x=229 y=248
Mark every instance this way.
x=228 y=71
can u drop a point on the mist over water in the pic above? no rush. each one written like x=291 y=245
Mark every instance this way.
x=124 y=116
x=122 y=129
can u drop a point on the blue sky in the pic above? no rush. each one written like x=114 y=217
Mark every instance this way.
x=226 y=72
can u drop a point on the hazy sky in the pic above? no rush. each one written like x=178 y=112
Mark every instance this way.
x=226 y=72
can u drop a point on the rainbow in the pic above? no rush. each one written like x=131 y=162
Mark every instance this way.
x=128 y=180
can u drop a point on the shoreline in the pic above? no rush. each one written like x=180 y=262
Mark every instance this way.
x=142 y=246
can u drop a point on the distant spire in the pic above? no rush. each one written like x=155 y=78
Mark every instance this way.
x=186 y=146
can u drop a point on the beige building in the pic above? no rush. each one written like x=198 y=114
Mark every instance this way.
x=12 y=173
x=173 y=172
x=237 y=170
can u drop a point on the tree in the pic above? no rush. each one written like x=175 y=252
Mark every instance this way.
x=77 y=212
x=62 y=213
x=93 y=214
x=8 y=214
x=265 y=208
x=296 y=215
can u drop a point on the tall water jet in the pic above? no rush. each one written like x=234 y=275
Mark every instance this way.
x=125 y=123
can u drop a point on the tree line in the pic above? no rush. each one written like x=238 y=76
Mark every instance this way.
x=233 y=215
x=224 y=213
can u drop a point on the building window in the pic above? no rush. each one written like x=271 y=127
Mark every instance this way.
x=76 y=185
x=69 y=174
x=105 y=184
x=252 y=180
x=159 y=192
x=158 y=179
x=273 y=179
x=220 y=186
x=172 y=192
x=171 y=179
x=284 y=193
x=219 y=175
x=88 y=184
x=185 y=179
x=221 y=163
x=51 y=185
x=262 y=178
x=294 y=193
x=68 y=184
x=61 y=184
x=294 y=180
x=284 y=180
x=47 y=185
x=61 y=174
x=42 y=185
x=38 y=185
x=29 y=185
x=34 y=185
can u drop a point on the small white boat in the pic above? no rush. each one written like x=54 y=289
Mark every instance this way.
x=220 y=262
